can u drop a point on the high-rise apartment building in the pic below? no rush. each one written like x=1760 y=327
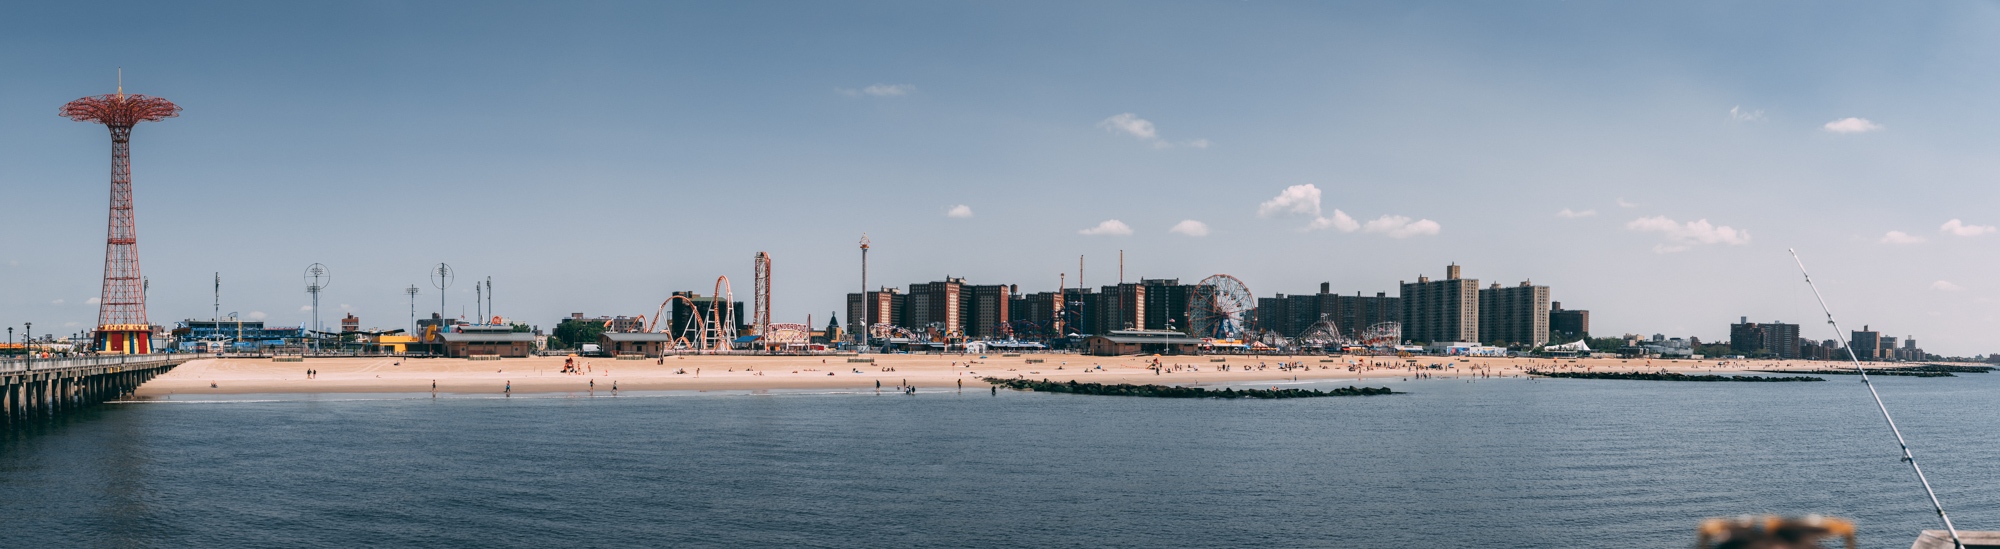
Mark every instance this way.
x=936 y=304
x=1441 y=310
x=1292 y=315
x=985 y=309
x=1043 y=309
x=878 y=307
x=1166 y=304
x=1124 y=308
x=1517 y=315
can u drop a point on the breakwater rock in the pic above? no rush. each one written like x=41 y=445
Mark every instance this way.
x=1904 y=372
x=1170 y=391
x=1666 y=376
x=1954 y=368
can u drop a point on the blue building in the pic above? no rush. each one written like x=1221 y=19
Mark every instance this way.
x=244 y=335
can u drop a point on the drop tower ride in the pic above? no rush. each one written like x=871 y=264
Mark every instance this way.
x=121 y=312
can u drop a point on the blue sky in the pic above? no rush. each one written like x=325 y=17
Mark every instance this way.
x=594 y=157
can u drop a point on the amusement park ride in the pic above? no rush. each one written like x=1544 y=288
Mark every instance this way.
x=122 y=327
x=1220 y=311
x=714 y=326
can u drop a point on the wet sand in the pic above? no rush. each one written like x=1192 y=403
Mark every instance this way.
x=927 y=372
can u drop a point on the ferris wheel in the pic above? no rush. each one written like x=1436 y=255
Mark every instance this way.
x=1220 y=307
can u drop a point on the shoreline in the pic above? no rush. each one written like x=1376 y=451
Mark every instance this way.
x=934 y=372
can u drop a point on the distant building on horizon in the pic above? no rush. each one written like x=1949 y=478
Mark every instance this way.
x=1292 y=315
x=1573 y=322
x=1777 y=338
x=1866 y=343
x=1441 y=310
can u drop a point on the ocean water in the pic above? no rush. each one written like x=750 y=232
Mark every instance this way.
x=1489 y=463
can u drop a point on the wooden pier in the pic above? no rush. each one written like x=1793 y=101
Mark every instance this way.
x=46 y=387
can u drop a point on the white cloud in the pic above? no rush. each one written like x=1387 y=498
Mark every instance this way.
x=1340 y=222
x=1851 y=125
x=256 y=315
x=878 y=90
x=1131 y=124
x=888 y=90
x=1299 y=199
x=1623 y=204
x=1681 y=236
x=1575 y=214
x=95 y=301
x=1961 y=229
x=1738 y=114
x=1190 y=227
x=56 y=302
x=1110 y=227
x=1900 y=237
x=1396 y=226
x=305 y=308
x=1946 y=286
x=960 y=211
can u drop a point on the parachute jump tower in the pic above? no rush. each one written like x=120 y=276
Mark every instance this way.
x=121 y=314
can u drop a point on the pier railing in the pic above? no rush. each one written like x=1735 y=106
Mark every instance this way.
x=40 y=364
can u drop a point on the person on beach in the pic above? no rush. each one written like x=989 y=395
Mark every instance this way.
x=510 y=388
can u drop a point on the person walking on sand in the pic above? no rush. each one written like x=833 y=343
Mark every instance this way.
x=510 y=388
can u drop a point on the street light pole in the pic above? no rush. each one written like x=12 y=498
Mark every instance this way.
x=28 y=342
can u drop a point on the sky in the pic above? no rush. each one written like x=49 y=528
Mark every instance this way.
x=1651 y=163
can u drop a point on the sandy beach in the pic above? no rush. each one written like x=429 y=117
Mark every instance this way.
x=935 y=372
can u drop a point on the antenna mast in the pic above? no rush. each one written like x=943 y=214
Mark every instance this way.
x=1907 y=458
x=412 y=290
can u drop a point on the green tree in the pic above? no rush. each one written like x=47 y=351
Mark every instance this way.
x=1605 y=344
x=575 y=334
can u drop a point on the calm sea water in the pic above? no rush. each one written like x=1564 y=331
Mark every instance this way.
x=1492 y=463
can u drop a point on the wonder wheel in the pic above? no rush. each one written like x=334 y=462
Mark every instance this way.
x=1220 y=307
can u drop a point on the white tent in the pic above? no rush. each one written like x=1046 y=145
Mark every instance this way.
x=1578 y=346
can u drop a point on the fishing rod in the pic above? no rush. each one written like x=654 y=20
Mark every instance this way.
x=1907 y=458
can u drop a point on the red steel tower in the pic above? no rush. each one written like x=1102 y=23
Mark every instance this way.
x=121 y=315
